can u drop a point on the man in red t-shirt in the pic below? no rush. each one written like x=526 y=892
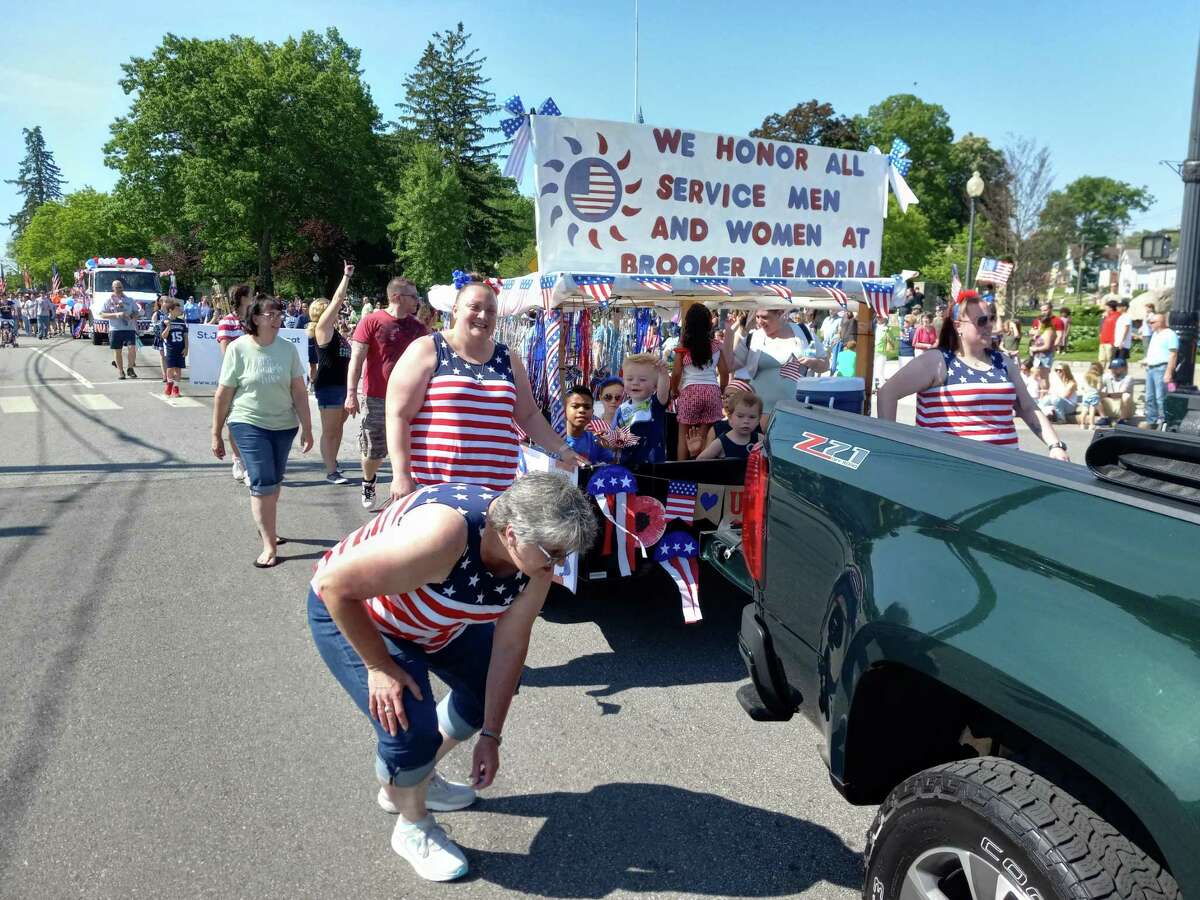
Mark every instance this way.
x=380 y=339
x=1108 y=333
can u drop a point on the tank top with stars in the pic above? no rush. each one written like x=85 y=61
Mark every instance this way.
x=976 y=404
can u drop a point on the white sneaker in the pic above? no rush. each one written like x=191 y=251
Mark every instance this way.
x=239 y=469
x=442 y=796
x=429 y=850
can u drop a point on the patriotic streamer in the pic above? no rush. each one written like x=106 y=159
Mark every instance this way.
x=898 y=167
x=879 y=295
x=518 y=131
x=611 y=486
x=558 y=412
x=677 y=552
x=833 y=287
x=776 y=286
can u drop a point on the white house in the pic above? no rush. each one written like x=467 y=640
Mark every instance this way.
x=1137 y=275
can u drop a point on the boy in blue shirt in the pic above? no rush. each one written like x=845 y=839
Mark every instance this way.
x=175 y=347
x=579 y=413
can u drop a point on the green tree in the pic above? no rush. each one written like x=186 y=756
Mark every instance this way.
x=907 y=241
x=245 y=141
x=972 y=153
x=84 y=223
x=445 y=103
x=925 y=127
x=38 y=179
x=430 y=219
x=937 y=269
x=811 y=122
x=1091 y=212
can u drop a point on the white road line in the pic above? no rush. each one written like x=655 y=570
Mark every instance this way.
x=62 y=365
x=17 y=405
x=176 y=402
x=95 y=402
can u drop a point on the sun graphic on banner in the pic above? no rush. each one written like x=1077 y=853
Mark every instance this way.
x=591 y=190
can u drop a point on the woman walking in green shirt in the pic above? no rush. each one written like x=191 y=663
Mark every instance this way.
x=262 y=395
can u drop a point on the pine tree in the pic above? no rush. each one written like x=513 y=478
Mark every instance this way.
x=445 y=104
x=38 y=179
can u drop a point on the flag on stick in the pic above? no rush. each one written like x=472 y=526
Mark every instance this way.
x=55 y=280
x=993 y=271
x=955 y=282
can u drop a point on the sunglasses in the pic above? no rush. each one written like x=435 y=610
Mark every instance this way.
x=555 y=559
x=980 y=321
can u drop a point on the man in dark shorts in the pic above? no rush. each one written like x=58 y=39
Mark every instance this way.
x=121 y=313
x=380 y=339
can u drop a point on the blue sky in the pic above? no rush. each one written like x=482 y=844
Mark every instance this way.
x=1109 y=94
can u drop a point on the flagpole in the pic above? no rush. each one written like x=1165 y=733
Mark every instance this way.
x=635 y=60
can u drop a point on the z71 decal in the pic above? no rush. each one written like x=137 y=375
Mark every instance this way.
x=832 y=451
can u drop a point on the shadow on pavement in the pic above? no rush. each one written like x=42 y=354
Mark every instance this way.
x=657 y=838
x=650 y=646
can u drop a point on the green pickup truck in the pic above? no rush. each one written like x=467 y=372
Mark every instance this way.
x=1002 y=651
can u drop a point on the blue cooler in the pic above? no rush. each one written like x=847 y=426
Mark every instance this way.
x=845 y=394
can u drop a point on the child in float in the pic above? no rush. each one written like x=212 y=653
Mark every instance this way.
x=1089 y=404
x=743 y=424
x=699 y=369
x=729 y=392
x=175 y=347
x=647 y=387
x=579 y=404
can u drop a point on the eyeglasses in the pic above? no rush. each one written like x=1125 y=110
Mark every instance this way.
x=980 y=321
x=555 y=559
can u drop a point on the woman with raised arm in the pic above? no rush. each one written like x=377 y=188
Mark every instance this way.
x=333 y=365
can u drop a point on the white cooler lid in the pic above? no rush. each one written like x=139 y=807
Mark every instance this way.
x=817 y=384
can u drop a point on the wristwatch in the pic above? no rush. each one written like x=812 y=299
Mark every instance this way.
x=1057 y=445
x=483 y=732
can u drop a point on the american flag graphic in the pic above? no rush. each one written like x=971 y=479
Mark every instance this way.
x=879 y=295
x=833 y=288
x=655 y=282
x=993 y=271
x=547 y=285
x=955 y=282
x=599 y=193
x=677 y=553
x=792 y=369
x=598 y=287
x=720 y=285
x=681 y=501
x=777 y=286
x=55 y=279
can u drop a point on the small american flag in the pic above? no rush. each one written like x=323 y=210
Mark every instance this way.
x=598 y=426
x=681 y=501
x=993 y=271
x=548 y=282
x=655 y=282
x=55 y=279
x=833 y=288
x=598 y=287
x=792 y=369
x=720 y=285
x=776 y=286
x=955 y=282
x=879 y=295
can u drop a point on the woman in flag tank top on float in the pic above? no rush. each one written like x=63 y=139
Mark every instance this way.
x=967 y=389
x=453 y=401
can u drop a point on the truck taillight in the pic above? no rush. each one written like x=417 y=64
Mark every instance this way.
x=754 y=513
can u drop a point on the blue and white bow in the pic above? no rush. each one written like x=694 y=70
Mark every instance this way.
x=898 y=167
x=517 y=130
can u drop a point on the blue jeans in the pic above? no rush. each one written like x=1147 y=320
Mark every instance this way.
x=264 y=452
x=43 y=326
x=1156 y=392
x=406 y=758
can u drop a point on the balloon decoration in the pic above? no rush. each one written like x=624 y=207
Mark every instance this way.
x=678 y=554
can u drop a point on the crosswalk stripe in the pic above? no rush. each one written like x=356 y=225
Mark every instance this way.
x=176 y=402
x=17 y=405
x=95 y=402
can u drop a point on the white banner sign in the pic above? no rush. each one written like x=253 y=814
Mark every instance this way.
x=204 y=354
x=615 y=198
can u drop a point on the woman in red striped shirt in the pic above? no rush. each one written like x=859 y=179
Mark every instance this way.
x=453 y=400
x=967 y=389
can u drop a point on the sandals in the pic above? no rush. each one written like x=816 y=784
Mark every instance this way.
x=270 y=564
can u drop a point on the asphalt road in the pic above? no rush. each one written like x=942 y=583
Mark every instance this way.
x=168 y=730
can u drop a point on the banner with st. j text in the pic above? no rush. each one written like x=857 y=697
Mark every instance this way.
x=614 y=197
x=204 y=355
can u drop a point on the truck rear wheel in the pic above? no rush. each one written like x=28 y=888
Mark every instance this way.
x=991 y=828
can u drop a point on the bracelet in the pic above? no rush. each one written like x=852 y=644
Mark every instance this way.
x=1057 y=445
x=483 y=732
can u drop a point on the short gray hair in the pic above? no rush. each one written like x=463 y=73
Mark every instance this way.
x=395 y=287
x=546 y=509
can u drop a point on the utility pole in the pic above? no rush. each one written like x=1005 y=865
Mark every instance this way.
x=635 y=61
x=1183 y=407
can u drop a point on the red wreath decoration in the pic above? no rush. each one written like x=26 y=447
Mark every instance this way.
x=650 y=519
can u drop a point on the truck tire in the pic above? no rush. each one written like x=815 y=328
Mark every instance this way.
x=991 y=828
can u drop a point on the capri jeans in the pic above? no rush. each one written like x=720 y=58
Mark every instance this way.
x=408 y=757
x=264 y=452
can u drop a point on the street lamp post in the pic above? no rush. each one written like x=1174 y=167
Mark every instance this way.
x=974 y=191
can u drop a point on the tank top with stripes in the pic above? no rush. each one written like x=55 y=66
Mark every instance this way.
x=464 y=431
x=972 y=403
x=433 y=615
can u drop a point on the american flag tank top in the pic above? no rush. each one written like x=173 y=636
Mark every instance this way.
x=464 y=430
x=433 y=615
x=972 y=403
